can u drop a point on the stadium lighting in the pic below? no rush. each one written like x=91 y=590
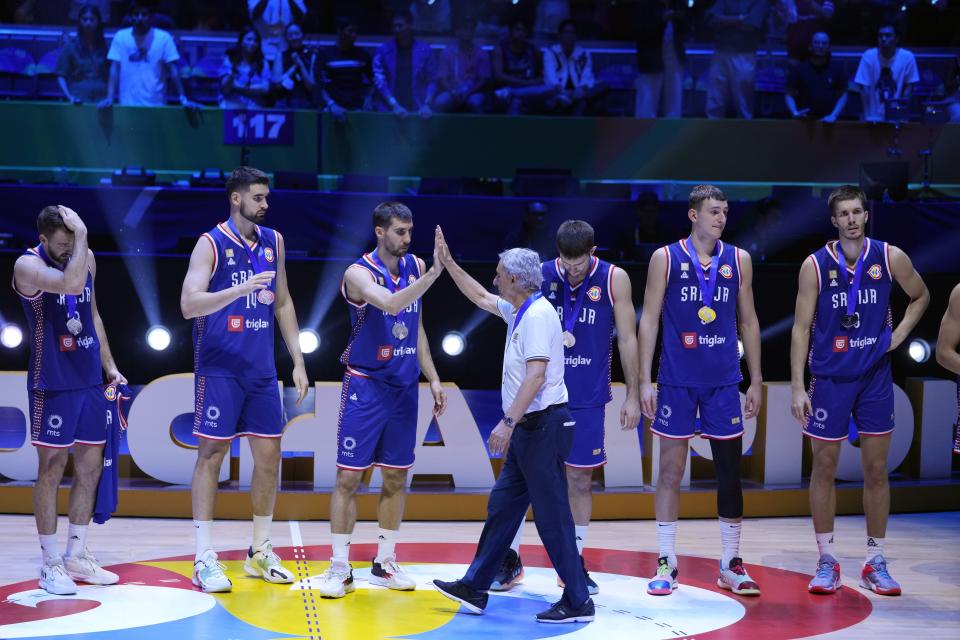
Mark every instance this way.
x=11 y=336
x=453 y=343
x=919 y=350
x=309 y=340
x=158 y=337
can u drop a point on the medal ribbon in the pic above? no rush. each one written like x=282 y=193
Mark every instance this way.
x=71 y=300
x=523 y=308
x=388 y=280
x=255 y=258
x=572 y=312
x=853 y=288
x=707 y=287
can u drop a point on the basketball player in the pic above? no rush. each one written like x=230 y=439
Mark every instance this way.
x=947 y=355
x=703 y=288
x=844 y=302
x=68 y=347
x=591 y=297
x=387 y=351
x=236 y=289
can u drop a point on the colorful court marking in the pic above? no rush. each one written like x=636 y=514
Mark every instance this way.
x=156 y=600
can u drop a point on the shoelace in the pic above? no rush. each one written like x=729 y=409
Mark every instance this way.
x=825 y=569
x=663 y=569
x=214 y=565
x=881 y=569
x=391 y=567
x=58 y=569
x=737 y=568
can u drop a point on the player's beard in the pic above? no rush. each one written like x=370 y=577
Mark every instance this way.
x=256 y=217
x=399 y=251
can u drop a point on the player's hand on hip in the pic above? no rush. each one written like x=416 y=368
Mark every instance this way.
x=260 y=281
x=648 y=400
x=752 y=406
x=630 y=414
x=800 y=406
x=71 y=220
x=499 y=439
x=439 y=398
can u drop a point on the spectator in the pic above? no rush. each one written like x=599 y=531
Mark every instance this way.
x=103 y=6
x=886 y=73
x=639 y=241
x=142 y=58
x=464 y=72
x=346 y=72
x=817 y=87
x=551 y=15
x=271 y=18
x=812 y=16
x=295 y=71
x=245 y=74
x=404 y=71
x=568 y=69
x=533 y=233
x=518 y=69
x=661 y=56
x=431 y=16
x=738 y=30
x=83 y=68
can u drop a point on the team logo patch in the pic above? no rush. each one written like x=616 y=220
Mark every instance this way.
x=735 y=420
x=684 y=266
x=820 y=415
x=875 y=272
x=384 y=352
x=228 y=252
x=110 y=393
x=411 y=279
x=268 y=254
x=833 y=273
x=689 y=340
x=726 y=271
x=593 y=293
x=213 y=412
x=553 y=286
x=55 y=421
x=67 y=343
x=666 y=411
x=234 y=324
x=840 y=344
x=349 y=443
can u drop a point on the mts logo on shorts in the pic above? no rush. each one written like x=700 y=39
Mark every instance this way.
x=689 y=340
x=234 y=324
x=840 y=344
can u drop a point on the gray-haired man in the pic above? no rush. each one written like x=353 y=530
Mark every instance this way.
x=537 y=425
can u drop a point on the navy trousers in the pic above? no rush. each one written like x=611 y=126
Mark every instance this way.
x=533 y=473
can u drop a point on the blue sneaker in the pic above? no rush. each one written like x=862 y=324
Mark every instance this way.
x=665 y=582
x=509 y=574
x=876 y=578
x=827 y=578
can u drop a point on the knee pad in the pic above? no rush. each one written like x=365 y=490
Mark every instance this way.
x=726 y=461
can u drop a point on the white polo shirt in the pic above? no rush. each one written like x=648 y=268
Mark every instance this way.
x=539 y=337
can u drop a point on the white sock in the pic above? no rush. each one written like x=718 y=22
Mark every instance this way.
x=386 y=544
x=48 y=546
x=76 y=539
x=515 y=545
x=202 y=529
x=581 y=530
x=341 y=548
x=667 y=541
x=261 y=530
x=874 y=548
x=730 y=541
x=825 y=544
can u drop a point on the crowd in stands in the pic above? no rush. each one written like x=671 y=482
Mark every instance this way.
x=536 y=64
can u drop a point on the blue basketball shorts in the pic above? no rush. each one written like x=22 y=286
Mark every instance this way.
x=719 y=407
x=378 y=423
x=225 y=408
x=867 y=397
x=587 y=450
x=60 y=419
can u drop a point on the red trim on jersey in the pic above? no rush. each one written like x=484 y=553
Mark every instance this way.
x=251 y=434
x=686 y=250
x=203 y=435
x=51 y=446
x=585 y=466
x=216 y=254
x=392 y=466
x=666 y=252
x=86 y=443
x=835 y=254
x=663 y=435
x=736 y=252
x=240 y=241
x=886 y=258
x=343 y=466
x=613 y=300
x=875 y=433
x=810 y=435
x=710 y=437
x=353 y=372
x=343 y=287
x=816 y=269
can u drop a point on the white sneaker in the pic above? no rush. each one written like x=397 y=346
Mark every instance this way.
x=264 y=563
x=336 y=582
x=85 y=568
x=54 y=578
x=208 y=574
x=391 y=575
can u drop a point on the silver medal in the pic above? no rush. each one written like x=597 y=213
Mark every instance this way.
x=568 y=339
x=265 y=296
x=74 y=326
x=400 y=330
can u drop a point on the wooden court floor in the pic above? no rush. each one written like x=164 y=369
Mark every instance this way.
x=921 y=550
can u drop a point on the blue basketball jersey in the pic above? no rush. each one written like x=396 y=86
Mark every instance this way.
x=834 y=350
x=373 y=350
x=587 y=362
x=694 y=353
x=237 y=340
x=59 y=360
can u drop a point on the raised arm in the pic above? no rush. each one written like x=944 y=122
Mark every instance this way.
x=912 y=284
x=362 y=288
x=750 y=334
x=31 y=274
x=649 y=328
x=196 y=301
x=949 y=337
x=807 y=292
x=286 y=316
x=106 y=356
x=473 y=290
x=625 y=318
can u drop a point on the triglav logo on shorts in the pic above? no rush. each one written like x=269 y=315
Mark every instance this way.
x=689 y=340
x=234 y=324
